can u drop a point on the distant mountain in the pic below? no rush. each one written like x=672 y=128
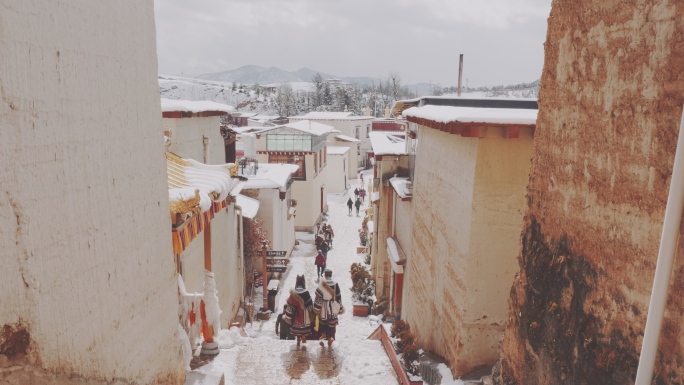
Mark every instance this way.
x=251 y=74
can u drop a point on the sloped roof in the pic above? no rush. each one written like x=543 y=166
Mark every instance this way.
x=387 y=144
x=250 y=206
x=309 y=127
x=271 y=175
x=346 y=138
x=193 y=186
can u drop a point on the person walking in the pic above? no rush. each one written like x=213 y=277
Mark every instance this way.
x=356 y=193
x=324 y=248
x=350 y=203
x=357 y=204
x=298 y=311
x=282 y=327
x=320 y=264
x=329 y=234
x=328 y=305
x=362 y=194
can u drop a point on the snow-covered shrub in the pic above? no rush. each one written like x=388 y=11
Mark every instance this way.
x=363 y=284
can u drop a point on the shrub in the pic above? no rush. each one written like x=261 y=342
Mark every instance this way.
x=407 y=345
x=410 y=355
x=363 y=284
x=398 y=327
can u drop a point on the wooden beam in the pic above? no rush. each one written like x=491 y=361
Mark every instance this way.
x=207 y=246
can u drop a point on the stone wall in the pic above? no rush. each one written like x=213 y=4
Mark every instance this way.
x=609 y=110
x=87 y=288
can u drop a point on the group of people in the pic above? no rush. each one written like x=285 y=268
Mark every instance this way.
x=324 y=239
x=356 y=204
x=307 y=318
x=360 y=193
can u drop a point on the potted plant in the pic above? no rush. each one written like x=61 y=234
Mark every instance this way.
x=363 y=290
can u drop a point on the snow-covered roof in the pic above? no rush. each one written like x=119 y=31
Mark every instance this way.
x=249 y=129
x=395 y=257
x=244 y=114
x=271 y=175
x=337 y=150
x=325 y=115
x=448 y=114
x=309 y=127
x=194 y=185
x=375 y=196
x=387 y=144
x=169 y=105
x=346 y=138
x=250 y=206
x=401 y=186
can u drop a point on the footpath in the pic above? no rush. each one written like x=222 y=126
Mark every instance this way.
x=261 y=357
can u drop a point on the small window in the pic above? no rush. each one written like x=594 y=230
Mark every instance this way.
x=291 y=159
x=315 y=163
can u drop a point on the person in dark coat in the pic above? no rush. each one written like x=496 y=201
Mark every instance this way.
x=282 y=327
x=329 y=234
x=323 y=247
x=299 y=311
x=328 y=305
x=350 y=203
x=320 y=264
x=358 y=206
x=356 y=193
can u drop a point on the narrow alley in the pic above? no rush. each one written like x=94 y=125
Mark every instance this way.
x=262 y=358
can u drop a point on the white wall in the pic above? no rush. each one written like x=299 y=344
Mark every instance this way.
x=187 y=138
x=337 y=174
x=273 y=211
x=84 y=220
x=354 y=158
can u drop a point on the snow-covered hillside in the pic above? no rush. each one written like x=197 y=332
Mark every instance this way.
x=243 y=98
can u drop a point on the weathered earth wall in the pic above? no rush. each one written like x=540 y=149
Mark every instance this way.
x=609 y=110
x=87 y=285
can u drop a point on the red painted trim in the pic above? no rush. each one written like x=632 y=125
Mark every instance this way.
x=381 y=334
x=172 y=114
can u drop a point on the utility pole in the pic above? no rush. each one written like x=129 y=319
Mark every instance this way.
x=460 y=73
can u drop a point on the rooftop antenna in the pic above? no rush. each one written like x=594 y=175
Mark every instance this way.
x=460 y=73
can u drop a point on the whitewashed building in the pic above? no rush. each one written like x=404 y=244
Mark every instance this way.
x=272 y=184
x=88 y=290
x=349 y=126
x=192 y=132
x=468 y=168
x=338 y=176
x=302 y=143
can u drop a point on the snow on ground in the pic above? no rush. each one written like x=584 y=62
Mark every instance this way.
x=262 y=358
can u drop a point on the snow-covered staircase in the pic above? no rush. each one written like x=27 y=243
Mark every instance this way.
x=269 y=361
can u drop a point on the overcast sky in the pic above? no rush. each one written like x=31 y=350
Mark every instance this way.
x=502 y=40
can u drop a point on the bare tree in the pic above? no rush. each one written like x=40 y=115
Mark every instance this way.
x=285 y=101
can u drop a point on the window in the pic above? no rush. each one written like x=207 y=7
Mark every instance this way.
x=288 y=142
x=325 y=155
x=316 y=165
x=356 y=131
x=291 y=159
x=368 y=130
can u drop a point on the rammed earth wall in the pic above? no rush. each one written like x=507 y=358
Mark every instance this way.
x=87 y=284
x=609 y=110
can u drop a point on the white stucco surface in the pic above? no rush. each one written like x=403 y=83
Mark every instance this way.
x=84 y=220
x=187 y=138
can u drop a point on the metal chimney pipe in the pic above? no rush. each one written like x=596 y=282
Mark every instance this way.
x=460 y=73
